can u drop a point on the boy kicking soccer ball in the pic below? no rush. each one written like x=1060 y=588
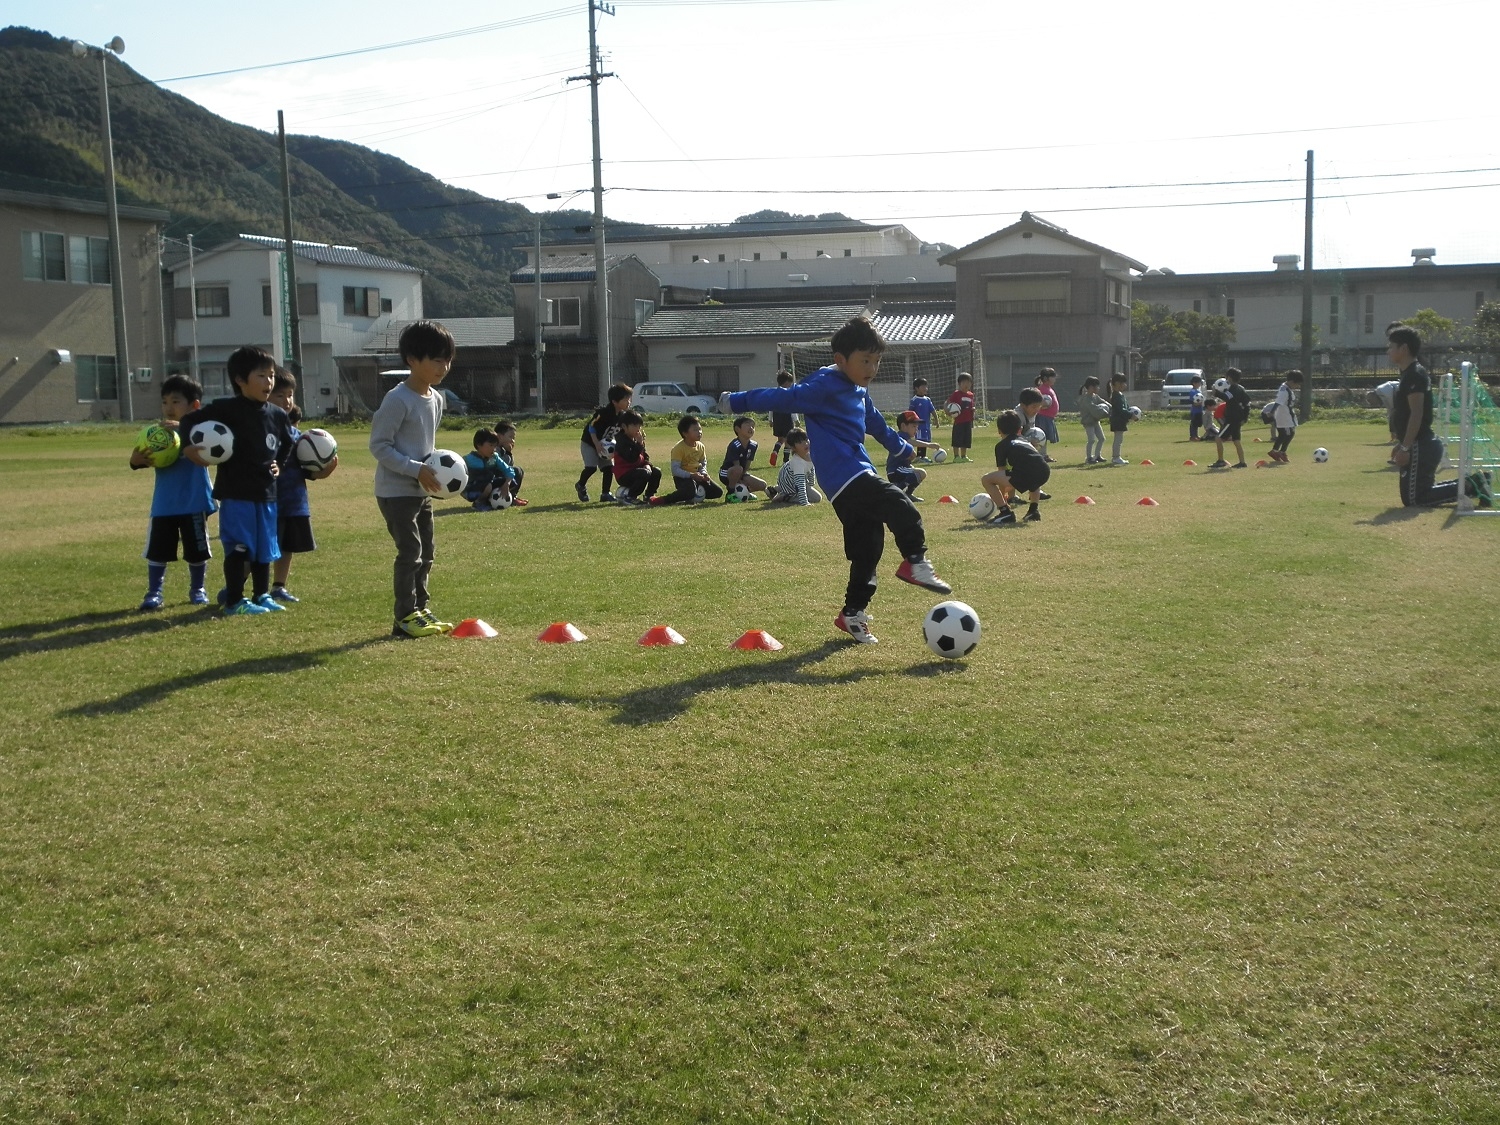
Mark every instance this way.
x=839 y=414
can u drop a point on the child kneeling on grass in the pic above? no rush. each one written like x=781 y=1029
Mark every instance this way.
x=798 y=481
x=636 y=478
x=1019 y=467
x=839 y=414
x=689 y=466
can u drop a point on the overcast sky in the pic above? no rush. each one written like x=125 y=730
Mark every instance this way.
x=1125 y=123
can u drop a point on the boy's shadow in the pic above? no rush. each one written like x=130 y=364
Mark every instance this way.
x=256 y=666
x=661 y=703
x=1392 y=515
x=90 y=629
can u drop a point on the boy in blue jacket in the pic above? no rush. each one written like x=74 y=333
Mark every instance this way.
x=838 y=411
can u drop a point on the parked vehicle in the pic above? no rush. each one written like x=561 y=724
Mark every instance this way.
x=671 y=398
x=1177 y=387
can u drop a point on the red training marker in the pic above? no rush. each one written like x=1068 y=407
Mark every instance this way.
x=1147 y=502
x=1190 y=462
x=948 y=500
x=1144 y=461
x=1084 y=500
x=473 y=627
x=662 y=635
x=561 y=633
x=757 y=639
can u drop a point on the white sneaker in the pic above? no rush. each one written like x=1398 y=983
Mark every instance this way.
x=1119 y=461
x=920 y=573
x=857 y=625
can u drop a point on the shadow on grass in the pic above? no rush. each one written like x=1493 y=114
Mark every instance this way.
x=91 y=629
x=257 y=666
x=661 y=703
x=1392 y=515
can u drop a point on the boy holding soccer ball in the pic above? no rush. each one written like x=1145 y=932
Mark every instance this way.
x=293 y=512
x=245 y=484
x=402 y=434
x=181 y=503
x=1019 y=467
x=839 y=414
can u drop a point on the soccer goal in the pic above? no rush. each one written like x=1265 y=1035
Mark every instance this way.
x=1478 y=436
x=937 y=361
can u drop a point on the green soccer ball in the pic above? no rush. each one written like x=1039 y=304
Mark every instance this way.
x=160 y=443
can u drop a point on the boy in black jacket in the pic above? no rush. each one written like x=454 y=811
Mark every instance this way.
x=1019 y=467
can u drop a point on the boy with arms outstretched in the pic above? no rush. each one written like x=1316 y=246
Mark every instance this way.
x=181 y=503
x=839 y=414
x=245 y=485
x=403 y=434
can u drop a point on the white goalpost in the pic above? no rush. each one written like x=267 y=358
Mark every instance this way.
x=1478 y=437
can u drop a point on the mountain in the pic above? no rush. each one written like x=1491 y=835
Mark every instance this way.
x=217 y=178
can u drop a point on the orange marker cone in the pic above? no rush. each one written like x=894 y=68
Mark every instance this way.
x=1147 y=502
x=662 y=635
x=1190 y=462
x=1144 y=461
x=1084 y=500
x=948 y=500
x=1261 y=464
x=757 y=639
x=561 y=633
x=472 y=627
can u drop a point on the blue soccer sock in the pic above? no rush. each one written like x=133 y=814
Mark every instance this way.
x=197 y=575
x=156 y=575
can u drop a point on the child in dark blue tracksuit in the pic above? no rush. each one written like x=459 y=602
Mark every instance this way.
x=837 y=407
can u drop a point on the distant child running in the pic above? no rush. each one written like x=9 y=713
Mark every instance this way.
x=924 y=409
x=798 y=482
x=1119 y=416
x=963 y=416
x=403 y=435
x=1286 y=415
x=899 y=469
x=245 y=485
x=839 y=413
x=1092 y=410
x=1236 y=414
x=598 y=437
x=1019 y=467
x=636 y=478
x=690 y=479
x=294 y=534
x=782 y=422
x=181 y=502
x=738 y=458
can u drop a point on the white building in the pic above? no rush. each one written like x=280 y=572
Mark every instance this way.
x=345 y=299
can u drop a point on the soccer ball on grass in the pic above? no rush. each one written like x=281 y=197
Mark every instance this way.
x=982 y=507
x=498 y=499
x=1320 y=455
x=951 y=629
x=213 y=440
x=452 y=473
x=940 y=455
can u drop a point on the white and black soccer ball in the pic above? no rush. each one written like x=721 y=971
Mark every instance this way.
x=742 y=493
x=982 y=507
x=315 y=450
x=1036 y=435
x=951 y=629
x=1135 y=413
x=1320 y=455
x=1221 y=385
x=498 y=499
x=213 y=440
x=940 y=455
x=954 y=408
x=452 y=473
x=698 y=492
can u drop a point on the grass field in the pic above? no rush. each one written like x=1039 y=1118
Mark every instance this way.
x=1205 y=829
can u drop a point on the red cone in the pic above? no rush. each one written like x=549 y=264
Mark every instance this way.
x=472 y=627
x=947 y=499
x=662 y=635
x=1147 y=502
x=1190 y=462
x=1084 y=500
x=1144 y=461
x=561 y=633
x=757 y=639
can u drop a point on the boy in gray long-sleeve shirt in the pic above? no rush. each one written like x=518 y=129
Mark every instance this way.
x=402 y=434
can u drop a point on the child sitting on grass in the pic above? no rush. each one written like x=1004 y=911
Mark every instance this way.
x=798 y=481
x=294 y=534
x=636 y=478
x=900 y=469
x=1019 y=467
x=181 y=502
x=738 y=458
x=692 y=484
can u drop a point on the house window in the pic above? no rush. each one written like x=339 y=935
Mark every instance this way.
x=1229 y=307
x=716 y=380
x=1020 y=296
x=1369 y=314
x=643 y=311
x=385 y=304
x=783 y=255
x=848 y=253
x=89 y=259
x=563 y=312
x=213 y=300
x=359 y=301
x=721 y=257
x=1333 y=316
x=42 y=256
x=1197 y=306
x=94 y=378
x=307 y=299
x=757 y=258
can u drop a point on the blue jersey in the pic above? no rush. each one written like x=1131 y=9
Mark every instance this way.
x=839 y=414
x=900 y=460
x=924 y=409
x=182 y=489
x=741 y=453
x=291 y=485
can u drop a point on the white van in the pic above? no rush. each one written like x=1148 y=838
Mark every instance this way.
x=1177 y=387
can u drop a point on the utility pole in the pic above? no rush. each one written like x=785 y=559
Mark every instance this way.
x=289 y=299
x=601 y=279
x=1307 y=292
x=541 y=344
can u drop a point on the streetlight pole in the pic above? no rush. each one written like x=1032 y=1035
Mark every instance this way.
x=116 y=258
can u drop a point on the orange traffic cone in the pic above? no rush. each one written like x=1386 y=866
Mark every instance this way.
x=561 y=633
x=662 y=635
x=757 y=639
x=472 y=627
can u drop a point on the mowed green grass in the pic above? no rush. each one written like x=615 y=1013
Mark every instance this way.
x=1204 y=830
